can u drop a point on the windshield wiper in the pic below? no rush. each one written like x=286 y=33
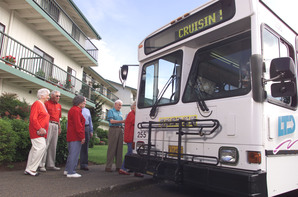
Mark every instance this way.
x=153 y=111
x=200 y=101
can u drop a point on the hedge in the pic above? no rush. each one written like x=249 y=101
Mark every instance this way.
x=15 y=142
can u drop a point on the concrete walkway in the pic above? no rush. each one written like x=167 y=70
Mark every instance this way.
x=94 y=182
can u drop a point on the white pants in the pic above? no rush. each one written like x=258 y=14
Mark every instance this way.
x=49 y=157
x=36 y=153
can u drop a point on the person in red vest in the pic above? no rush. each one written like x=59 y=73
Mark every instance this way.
x=54 y=109
x=128 y=137
x=38 y=127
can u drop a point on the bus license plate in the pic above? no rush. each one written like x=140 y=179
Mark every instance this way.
x=173 y=151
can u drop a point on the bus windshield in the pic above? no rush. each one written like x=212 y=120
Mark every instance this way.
x=156 y=76
x=221 y=70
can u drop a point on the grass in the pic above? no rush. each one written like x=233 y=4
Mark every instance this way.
x=98 y=154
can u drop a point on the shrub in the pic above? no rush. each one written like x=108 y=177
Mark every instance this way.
x=92 y=141
x=62 y=151
x=21 y=128
x=8 y=140
x=105 y=140
x=13 y=108
x=102 y=134
x=96 y=141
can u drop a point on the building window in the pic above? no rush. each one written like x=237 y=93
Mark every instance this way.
x=2 y=28
x=45 y=64
x=275 y=46
x=75 y=33
x=71 y=74
x=51 y=8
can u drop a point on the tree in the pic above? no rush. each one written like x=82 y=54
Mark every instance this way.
x=96 y=113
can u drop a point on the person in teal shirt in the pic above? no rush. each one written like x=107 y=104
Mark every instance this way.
x=115 y=137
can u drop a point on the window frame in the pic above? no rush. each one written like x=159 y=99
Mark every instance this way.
x=291 y=53
x=50 y=59
x=2 y=37
x=178 y=81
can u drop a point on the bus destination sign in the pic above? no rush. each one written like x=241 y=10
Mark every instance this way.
x=200 y=24
x=208 y=17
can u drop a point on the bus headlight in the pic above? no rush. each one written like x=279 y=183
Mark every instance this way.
x=228 y=155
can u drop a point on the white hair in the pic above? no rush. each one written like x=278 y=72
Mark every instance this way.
x=54 y=92
x=42 y=92
x=133 y=104
x=119 y=101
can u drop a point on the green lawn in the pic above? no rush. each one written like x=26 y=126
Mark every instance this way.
x=98 y=154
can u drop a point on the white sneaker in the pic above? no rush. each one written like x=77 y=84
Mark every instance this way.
x=76 y=175
x=42 y=169
x=65 y=173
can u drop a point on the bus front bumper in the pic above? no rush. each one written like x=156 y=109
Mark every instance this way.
x=230 y=181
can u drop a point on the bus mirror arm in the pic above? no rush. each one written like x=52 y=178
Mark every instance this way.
x=123 y=72
x=257 y=69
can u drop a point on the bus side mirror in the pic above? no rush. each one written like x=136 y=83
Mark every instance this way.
x=282 y=71
x=123 y=74
x=283 y=89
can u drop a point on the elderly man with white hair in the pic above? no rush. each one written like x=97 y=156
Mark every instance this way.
x=115 y=137
x=38 y=127
x=54 y=109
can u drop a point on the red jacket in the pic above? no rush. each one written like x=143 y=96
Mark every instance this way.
x=129 y=127
x=75 y=125
x=39 y=118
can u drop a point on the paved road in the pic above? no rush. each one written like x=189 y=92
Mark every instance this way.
x=95 y=182
x=53 y=183
x=166 y=189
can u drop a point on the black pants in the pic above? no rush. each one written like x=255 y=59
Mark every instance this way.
x=84 y=149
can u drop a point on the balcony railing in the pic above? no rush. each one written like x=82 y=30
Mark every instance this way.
x=68 y=25
x=98 y=87
x=33 y=64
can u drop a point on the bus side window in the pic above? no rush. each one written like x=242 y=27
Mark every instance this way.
x=273 y=47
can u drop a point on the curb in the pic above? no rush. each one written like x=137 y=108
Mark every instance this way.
x=118 y=188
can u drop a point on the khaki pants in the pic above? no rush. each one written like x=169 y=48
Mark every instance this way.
x=115 y=147
x=49 y=157
x=36 y=153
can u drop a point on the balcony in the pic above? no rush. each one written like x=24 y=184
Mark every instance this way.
x=99 y=89
x=63 y=29
x=31 y=71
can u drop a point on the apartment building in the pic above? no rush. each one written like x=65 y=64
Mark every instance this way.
x=108 y=92
x=128 y=95
x=48 y=43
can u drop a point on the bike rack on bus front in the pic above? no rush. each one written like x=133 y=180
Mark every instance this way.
x=195 y=127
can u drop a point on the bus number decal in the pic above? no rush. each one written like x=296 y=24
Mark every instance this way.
x=142 y=134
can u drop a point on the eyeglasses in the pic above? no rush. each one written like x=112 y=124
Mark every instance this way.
x=58 y=96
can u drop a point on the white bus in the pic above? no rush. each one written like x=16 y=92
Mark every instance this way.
x=217 y=101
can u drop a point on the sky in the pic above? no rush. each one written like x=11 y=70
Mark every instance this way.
x=123 y=24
